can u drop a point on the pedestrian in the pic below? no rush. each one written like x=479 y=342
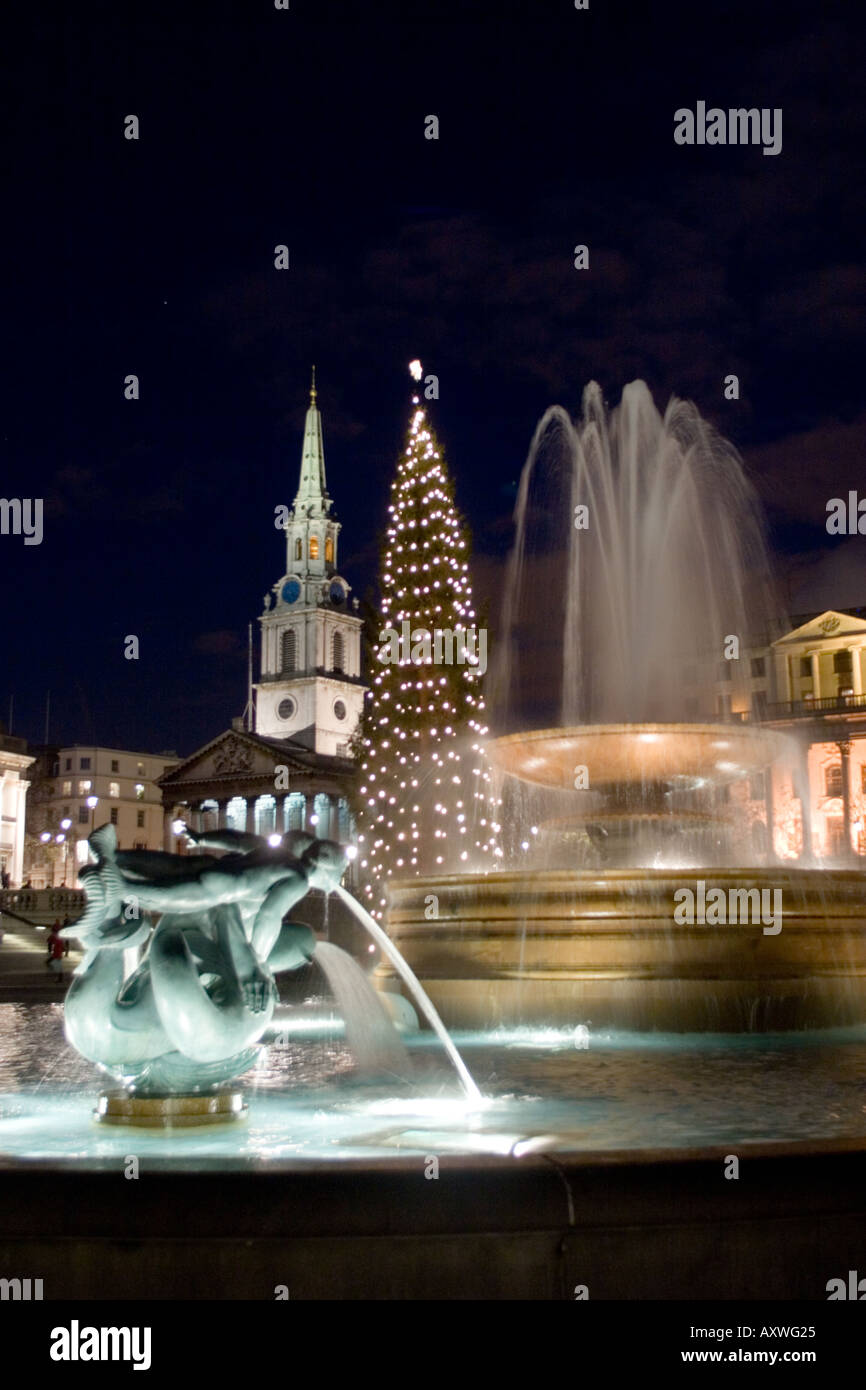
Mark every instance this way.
x=55 y=950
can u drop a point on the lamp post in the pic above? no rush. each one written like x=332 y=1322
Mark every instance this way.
x=92 y=803
x=46 y=838
x=65 y=825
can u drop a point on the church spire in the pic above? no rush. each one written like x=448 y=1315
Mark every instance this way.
x=312 y=497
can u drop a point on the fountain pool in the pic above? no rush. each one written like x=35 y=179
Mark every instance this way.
x=548 y=1090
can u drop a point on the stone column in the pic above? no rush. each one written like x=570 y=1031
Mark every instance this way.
x=788 y=693
x=167 y=836
x=804 y=791
x=844 y=747
x=223 y=813
x=333 y=818
x=779 y=679
x=856 y=670
x=19 y=792
x=309 y=812
x=815 y=659
x=769 y=809
x=250 y=816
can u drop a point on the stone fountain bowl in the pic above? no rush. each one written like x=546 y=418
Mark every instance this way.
x=677 y=755
x=560 y=948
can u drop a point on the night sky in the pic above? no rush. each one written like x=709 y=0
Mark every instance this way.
x=306 y=127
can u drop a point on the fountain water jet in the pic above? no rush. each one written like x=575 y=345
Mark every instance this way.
x=416 y=989
x=639 y=568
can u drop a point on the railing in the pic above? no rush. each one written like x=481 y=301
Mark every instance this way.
x=63 y=902
x=802 y=709
x=308 y=672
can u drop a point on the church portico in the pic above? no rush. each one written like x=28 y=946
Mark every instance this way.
x=244 y=782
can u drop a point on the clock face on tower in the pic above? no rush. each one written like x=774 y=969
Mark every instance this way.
x=291 y=591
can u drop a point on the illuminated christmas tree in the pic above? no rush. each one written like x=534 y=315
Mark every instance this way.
x=425 y=798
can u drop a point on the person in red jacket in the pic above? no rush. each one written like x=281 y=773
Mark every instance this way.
x=55 y=950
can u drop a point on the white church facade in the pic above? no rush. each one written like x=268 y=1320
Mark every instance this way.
x=310 y=687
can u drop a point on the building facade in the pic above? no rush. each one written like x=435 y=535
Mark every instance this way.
x=808 y=683
x=14 y=763
x=79 y=787
x=287 y=765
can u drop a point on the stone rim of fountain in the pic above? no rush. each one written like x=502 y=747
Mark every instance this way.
x=634 y=755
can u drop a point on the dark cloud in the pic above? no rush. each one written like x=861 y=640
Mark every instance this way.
x=798 y=474
x=221 y=642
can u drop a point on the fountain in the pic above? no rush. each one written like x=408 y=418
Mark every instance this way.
x=591 y=1162
x=638 y=571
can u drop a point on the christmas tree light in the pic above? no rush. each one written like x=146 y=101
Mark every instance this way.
x=425 y=801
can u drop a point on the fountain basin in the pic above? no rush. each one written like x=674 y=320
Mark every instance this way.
x=572 y=947
x=617 y=755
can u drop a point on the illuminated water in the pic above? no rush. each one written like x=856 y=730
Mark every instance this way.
x=419 y=994
x=541 y=1093
x=639 y=546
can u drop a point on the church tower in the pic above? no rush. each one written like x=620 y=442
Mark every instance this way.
x=310 y=688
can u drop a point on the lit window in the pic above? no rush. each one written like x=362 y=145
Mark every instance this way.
x=139 y=791
x=67 y=788
x=329 y=551
x=84 y=787
x=314 y=547
x=114 y=789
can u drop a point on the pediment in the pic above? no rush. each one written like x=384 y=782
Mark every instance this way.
x=826 y=625
x=233 y=754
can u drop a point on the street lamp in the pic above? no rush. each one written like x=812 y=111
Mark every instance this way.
x=65 y=826
x=45 y=837
x=91 y=802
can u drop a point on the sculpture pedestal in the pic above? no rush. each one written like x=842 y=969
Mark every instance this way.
x=170 y=1112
